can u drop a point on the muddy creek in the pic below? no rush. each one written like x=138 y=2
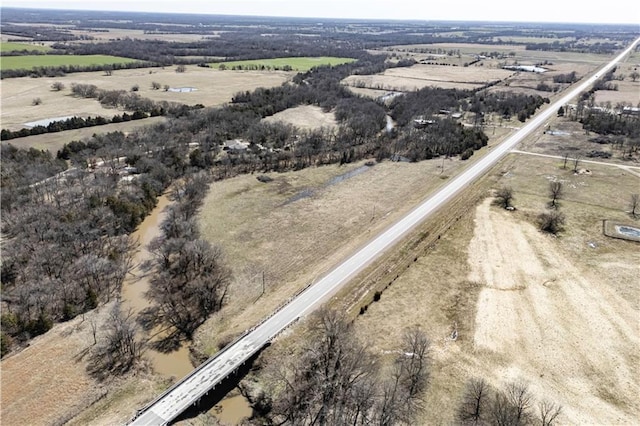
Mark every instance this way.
x=177 y=364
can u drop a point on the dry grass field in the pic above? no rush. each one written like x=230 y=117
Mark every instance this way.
x=214 y=88
x=294 y=242
x=47 y=382
x=304 y=117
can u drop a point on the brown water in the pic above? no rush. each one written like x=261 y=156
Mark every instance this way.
x=176 y=363
x=230 y=410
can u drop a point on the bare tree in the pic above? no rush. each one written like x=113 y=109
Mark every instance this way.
x=565 y=158
x=504 y=197
x=555 y=192
x=94 y=330
x=414 y=362
x=549 y=412
x=520 y=399
x=576 y=163
x=475 y=402
x=502 y=412
x=181 y=68
x=634 y=203
x=120 y=349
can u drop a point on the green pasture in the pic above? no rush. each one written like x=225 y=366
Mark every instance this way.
x=12 y=47
x=33 y=61
x=296 y=64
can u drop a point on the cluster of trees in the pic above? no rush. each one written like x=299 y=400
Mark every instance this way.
x=565 y=78
x=130 y=101
x=603 y=48
x=443 y=137
x=62 y=256
x=608 y=123
x=507 y=104
x=189 y=281
x=511 y=406
x=335 y=380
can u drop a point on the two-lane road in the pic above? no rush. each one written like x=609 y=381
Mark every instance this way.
x=190 y=389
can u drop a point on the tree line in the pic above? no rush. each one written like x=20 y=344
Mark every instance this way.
x=75 y=123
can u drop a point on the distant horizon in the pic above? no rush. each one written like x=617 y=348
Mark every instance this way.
x=498 y=11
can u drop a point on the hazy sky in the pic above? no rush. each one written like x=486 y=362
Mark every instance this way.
x=621 y=11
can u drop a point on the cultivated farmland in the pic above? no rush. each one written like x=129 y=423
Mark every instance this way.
x=33 y=61
x=17 y=47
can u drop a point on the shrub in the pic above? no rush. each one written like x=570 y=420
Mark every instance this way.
x=551 y=222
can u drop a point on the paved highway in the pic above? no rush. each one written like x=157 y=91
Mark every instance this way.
x=191 y=388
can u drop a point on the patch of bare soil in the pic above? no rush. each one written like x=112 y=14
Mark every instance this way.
x=552 y=323
x=304 y=117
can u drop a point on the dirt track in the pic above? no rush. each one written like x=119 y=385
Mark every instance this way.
x=561 y=329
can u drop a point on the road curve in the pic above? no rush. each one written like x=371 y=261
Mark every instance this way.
x=191 y=388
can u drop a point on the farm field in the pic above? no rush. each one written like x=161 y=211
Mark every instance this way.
x=213 y=88
x=297 y=63
x=406 y=79
x=33 y=61
x=486 y=70
x=13 y=46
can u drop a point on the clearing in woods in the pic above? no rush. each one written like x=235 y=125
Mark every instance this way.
x=304 y=117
